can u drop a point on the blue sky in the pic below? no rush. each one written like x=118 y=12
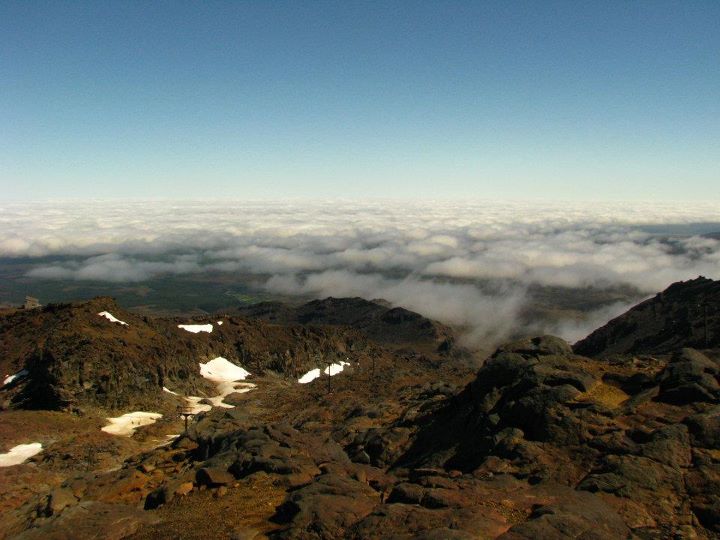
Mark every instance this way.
x=553 y=100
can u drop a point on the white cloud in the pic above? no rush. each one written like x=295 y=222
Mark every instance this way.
x=405 y=252
x=575 y=329
x=485 y=317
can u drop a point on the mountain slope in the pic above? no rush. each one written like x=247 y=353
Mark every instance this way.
x=74 y=356
x=396 y=327
x=686 y=314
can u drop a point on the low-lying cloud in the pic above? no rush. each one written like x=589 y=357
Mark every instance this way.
x=466 y=264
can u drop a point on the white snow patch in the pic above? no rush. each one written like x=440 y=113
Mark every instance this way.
x=110 y=317
x=168 y=439
x=226 y=376
x=222 y=370
x=309 y=376
x=332 y=369
x=126 y=424
x=219 y=323
x=194 y=406
x=19 y=375
x=196 y=328
x=19 y=453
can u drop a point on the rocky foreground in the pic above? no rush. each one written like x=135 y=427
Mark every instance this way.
x=616 y=438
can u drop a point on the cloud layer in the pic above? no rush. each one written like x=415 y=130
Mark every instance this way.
x=467 y=264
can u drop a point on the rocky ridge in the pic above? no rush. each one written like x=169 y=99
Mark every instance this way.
x=684 y=315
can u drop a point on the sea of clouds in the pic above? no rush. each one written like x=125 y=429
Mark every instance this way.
x=463 y=263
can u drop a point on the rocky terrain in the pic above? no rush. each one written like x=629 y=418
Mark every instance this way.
x=616 y=437
x=75 y=357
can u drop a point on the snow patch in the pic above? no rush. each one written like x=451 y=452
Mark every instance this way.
x=219 y=323
x=126 y=424
x=222 y=370
x=309 y=376
x=110 y=317
x=19 y=375
x=226 y=376
x=332 y=369
x=19 y=454
x=194 y=406
x=168 y=439
x=226 y=388
x=196 y=328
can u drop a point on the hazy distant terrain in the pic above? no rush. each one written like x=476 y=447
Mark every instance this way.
x=491 y=269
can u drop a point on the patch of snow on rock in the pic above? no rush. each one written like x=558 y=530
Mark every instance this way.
x=222 y=370
x=194 y=406
x=197 y=328
x=226 y=375
x=110 y=317
x=219 y=323
x=18 y=454
x=19 y=375
x=126 y=424
x=332 y=369
x=309 y=376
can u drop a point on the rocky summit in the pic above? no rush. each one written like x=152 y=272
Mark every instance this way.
x=395 y=432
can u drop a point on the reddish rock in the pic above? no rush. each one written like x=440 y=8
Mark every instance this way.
x=213 y=476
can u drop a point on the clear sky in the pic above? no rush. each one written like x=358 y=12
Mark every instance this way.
x=572 y=100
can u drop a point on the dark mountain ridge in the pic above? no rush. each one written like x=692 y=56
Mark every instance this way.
x=396 y=327
x=686 y=314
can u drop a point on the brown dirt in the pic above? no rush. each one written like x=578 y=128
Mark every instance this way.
x=249 y=504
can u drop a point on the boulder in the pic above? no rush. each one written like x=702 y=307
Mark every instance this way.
x=58 y=500
x=213 y=477
x=690 y=377
x=407 y=493
x=705 y=429
x=326 y=508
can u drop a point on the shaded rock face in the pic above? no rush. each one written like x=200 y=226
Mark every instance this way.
x=689 y=377
x=686 y=314
x=74 y=357
x=326 y=508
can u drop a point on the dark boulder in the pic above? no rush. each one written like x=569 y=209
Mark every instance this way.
x=326 y=508
x=689 y=377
